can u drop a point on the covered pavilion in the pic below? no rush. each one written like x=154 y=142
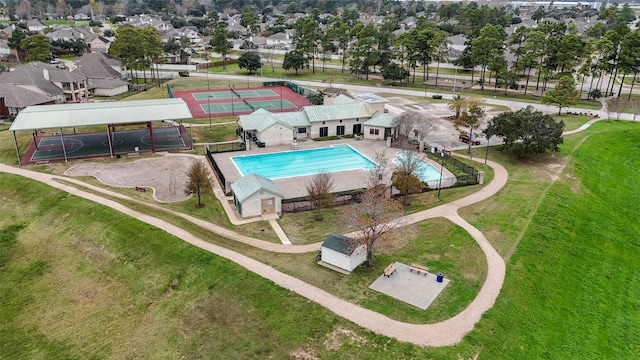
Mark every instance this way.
x=110 y=114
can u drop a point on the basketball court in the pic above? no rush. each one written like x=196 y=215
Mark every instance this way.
x=76 y=146
x=131 y=127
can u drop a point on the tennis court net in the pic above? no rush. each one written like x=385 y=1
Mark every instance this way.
x=249 y=105
x=235 y=92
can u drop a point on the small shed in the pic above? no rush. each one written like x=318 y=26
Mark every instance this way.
x=339 y=251
x=255 y=195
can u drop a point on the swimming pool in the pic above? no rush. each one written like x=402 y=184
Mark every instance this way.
x=425 y=172
x=303 y=162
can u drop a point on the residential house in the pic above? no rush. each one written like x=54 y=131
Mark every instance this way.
x=255 y=195
x=104 y=74
x=281 y=41
x=45 y=79
x=6 y=32
x=190 y=32
x=94 y=42
x=34 y=25
x=146 y=20
x=4 y=49
x=14 y=98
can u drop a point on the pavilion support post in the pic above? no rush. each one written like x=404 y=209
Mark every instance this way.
x=15 y=143
x=35 y=136
x=110 y=139
x=191 y=133
x=64 y=150
x=153 y=146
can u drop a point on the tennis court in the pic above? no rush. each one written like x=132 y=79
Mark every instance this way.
x=250 y=93
x=75 y=146
x=241 y=106
x=232 y=101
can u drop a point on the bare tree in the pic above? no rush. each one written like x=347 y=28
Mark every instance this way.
x=404 y=177
x=198 y=180
x=270 y=58
x=412 y=124
x=617 y=106
x=376 y=175
x=319 y=191
x=373 y=219
x=635 y=107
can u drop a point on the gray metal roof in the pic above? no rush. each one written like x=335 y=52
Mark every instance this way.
x=380 y=120
x=335 y=112
x=261 y=120
x=99 y=113
x=251 y=184
x=343 y=99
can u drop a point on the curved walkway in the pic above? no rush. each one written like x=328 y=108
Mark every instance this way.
x=448 y=332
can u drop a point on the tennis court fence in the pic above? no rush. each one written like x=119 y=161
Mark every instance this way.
x=295 y=87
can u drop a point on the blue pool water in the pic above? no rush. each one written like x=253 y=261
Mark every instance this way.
x=425 y=172
x=303 y=162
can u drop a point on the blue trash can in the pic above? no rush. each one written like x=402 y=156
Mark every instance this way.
x=439 y=277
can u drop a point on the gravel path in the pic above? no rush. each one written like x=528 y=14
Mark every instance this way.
x=445 y=333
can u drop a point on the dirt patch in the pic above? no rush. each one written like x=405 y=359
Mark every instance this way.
x=166 y=175
x=341 y=335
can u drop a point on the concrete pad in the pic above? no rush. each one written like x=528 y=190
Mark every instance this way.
x=410 y=287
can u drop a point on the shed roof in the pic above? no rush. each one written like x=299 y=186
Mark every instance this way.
x=339 y=243
x=102 y=113
x=251 y=184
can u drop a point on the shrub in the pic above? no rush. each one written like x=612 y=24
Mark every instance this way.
x=436 y=96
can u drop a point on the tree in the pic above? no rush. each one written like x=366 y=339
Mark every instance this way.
x=526 y=131
x=270 y=57
x=471 y=116
x=457 y=104
x=250 y=61
x=617 y=106
x=413 y=124
x=293 y=60
x=565 y=94
x=319 y=192
x=395 y=72
x=37 y=48
x=220 y=44
x=404 y=177
x=306 y=38
x=16 y=42
x=488 y=48
x=375 y=176
x=373 y=219
x=198 y=180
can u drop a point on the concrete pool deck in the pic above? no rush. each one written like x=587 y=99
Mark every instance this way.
x=294 y=187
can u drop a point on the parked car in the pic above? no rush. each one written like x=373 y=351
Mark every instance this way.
x=466 y=139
